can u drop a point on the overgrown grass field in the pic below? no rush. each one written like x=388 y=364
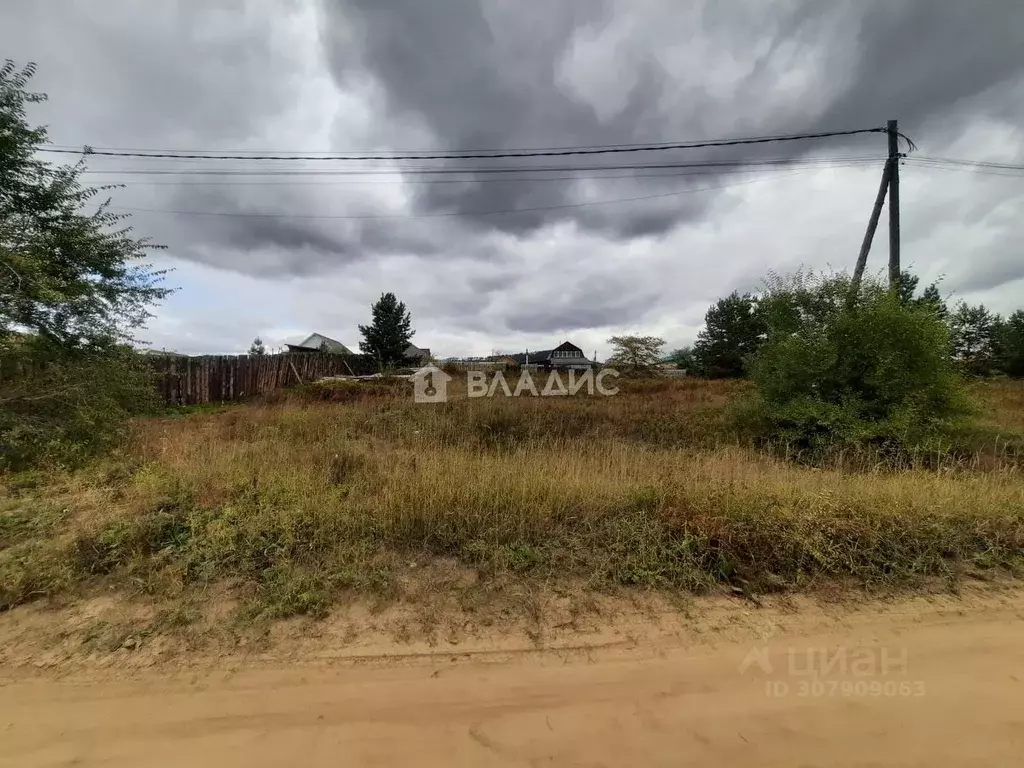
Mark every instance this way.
x=338 y=490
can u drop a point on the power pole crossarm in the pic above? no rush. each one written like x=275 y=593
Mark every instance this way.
x=894 y=204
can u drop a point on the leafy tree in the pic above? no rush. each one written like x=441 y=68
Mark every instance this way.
x=388 y=335
x=1011 y=345
x=636 y=353
x=73 y=280
x=73 y=287
x=685 y=359
x=879 y=371
x=792 y=303
x=733 y=330
x=975 y=337
x=257 y=348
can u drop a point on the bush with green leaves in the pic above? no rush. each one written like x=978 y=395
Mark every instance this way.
x=733 y=331
x=64 y=410
x=837 y=370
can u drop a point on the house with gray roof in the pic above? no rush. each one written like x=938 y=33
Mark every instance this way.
x=566 y=355
x=317 y=342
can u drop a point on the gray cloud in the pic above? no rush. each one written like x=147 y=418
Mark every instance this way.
x=594 y=301
x=485 y=74
x=317 y=243
x=471 y=74
x=191 y=73
x=989 y=272
x=916 y=59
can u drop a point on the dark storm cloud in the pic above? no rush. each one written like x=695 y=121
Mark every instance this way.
x=479 y=82
x=924 y=59
x=194 y=75
x=307 y=233
x=640 y=218
x=499 y=281
x=188 y=74
x=323 y=242
x=591 y=302
x=249 y=234
x=990 y=271
x=483 y=74
x=471 y=74
x=995 y=260
x=561 y=318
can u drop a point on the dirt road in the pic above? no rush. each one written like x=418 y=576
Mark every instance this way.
x=908 y=689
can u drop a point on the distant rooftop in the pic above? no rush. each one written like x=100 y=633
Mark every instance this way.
x=319 y=341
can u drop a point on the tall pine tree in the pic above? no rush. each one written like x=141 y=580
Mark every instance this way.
x=974 y=332
x=388 y=335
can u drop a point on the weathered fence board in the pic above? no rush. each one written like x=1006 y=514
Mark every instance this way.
x=220 y=378
x=224 y=378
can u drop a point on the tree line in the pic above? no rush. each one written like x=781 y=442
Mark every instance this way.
x=981 y=342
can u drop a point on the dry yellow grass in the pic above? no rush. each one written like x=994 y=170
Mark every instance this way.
x=296 y=502
x=1002 y=404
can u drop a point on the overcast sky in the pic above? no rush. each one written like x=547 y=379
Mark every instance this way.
x=457 y=75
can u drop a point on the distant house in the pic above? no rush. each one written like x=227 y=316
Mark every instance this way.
x=506 y=361
x=150 y=352
x=420 y=355
x=565 y=355
x=317 y=342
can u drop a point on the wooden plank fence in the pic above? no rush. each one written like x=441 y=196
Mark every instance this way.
x=227 y=378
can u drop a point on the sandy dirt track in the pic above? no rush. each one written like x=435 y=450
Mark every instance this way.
x=921 y=688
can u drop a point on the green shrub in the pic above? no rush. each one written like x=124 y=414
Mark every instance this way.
x=835 y=372
x=64 y=410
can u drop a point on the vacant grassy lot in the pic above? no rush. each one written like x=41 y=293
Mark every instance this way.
x=294 y=504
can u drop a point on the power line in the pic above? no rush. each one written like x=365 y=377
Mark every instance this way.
x=752 y=165
x=77 y=148
x=737 y=169
x=968 y=163
x=502 y=180
x=481 y=156
x=248 y=152
x=1004 y=170
x=972 y=171
x=447 y=213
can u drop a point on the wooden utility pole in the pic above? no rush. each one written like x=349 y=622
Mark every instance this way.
x=869 y=235
x=894 y=205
